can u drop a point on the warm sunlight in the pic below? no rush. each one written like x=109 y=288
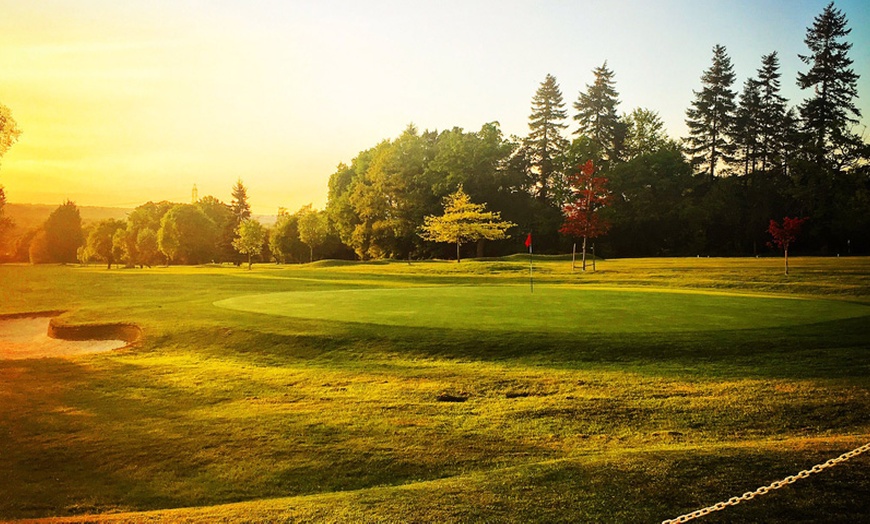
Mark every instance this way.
x=125 y=102
x=513 y=261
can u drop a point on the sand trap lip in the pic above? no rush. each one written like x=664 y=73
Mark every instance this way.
x=41 y=335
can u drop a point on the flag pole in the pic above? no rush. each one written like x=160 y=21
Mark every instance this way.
x=531 y=281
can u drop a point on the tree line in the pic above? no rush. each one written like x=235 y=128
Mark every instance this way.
x=749 y=157
x=162 y=233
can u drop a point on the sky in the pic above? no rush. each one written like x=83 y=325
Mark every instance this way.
x=124 y=102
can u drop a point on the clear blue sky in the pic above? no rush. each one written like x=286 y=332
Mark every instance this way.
x=122 y=102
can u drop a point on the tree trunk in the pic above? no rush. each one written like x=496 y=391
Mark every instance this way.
x=249 y=262
x=786 y=260
x=457 y=253
x=310 y=254
x=593 y=257
x=584 y=253
x=574 y=256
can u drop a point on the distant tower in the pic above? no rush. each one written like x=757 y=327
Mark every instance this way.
x=194 y=195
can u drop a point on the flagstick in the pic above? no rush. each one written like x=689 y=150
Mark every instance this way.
x=531 y=282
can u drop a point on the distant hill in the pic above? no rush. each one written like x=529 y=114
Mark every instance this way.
x=29 y=216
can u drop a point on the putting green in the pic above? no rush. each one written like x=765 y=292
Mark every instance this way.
x=514 y=308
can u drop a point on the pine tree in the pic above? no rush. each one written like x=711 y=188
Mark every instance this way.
x=241 y=207
x=545 y=142
x=711 y=117
x=747 y=135
x=597 y=116
x=826 y=115
x=773 y=125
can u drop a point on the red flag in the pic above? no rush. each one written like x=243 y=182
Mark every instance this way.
x=529 y=240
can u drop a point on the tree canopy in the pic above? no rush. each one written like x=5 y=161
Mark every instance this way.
x=250 y=237
x=464 y=221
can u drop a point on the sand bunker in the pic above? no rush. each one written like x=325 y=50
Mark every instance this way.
x=28 y=337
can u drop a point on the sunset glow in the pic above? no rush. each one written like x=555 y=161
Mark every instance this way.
x=124 y=102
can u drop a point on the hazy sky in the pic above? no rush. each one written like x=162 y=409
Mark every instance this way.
x=124 y=102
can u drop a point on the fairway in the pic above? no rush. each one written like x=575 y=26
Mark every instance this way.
x=441 y=392
x=547 y=309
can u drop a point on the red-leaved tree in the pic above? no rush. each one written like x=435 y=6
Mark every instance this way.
x=582 y=219
x=786 y=234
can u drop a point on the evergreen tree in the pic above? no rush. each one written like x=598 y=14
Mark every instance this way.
x=826 y=115
x=241 y=211
x=773 y=124
x=545 y=143
x=747 y=132
x=597 y=117
x=240 y=206
x=711 y=117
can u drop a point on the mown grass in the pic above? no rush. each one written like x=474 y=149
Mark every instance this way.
x=239 y=416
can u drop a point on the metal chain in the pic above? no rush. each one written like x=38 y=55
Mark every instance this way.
x=749 y=495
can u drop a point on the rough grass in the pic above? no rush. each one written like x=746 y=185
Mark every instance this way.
x=235 y=416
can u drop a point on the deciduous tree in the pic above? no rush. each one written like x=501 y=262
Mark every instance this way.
x=644 y=133
x=187 y=235
x=101 y=241
x=313 y=228
x=9 y=133
x=582 y=217
x=785 y=235
x=250 y=237
x=284 y=243
x=147 y=248
x=463 y=221
x=63 y=233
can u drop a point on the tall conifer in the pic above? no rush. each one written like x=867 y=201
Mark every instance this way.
x=711 y=117
x=773 y=125
x=597 y=116
x=830 y=112
x=545 y=143
x=747 y=135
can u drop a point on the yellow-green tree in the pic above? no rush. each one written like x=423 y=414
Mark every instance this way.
x=250 y=237
x=8 y=135
x=464 y=221
x=313 y=228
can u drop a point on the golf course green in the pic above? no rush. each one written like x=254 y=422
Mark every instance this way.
x=547 y=309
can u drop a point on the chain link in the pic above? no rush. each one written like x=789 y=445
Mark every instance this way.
x=749 y=495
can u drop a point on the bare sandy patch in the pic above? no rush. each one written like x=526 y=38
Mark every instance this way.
x=22 y=338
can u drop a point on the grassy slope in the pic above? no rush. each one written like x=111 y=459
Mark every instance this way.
x=220 y=406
